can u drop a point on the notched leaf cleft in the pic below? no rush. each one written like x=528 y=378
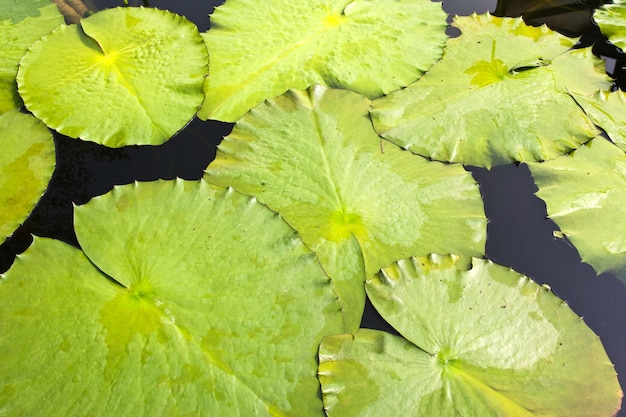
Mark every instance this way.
x=523 y=67
x=343 y=225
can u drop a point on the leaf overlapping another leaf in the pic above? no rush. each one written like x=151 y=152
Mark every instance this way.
x=360 y=203
x=608 y=111
x=27 y=161
x=501 y=93
x=190 y=300
x=584 y=194
x=22 y=22
x=485 y=341
x=371 y=47
x=612 y=21
x=134 y=76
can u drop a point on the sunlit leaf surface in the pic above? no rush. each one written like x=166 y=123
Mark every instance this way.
x=27 y=160
x=612 y=21
x=259 y=50
x=22 y=22
x=313 y=157
x=190 y=300
x=585 y=193
x=482 y=342
x=501 y=93
x=608 y=110
x=122 y=76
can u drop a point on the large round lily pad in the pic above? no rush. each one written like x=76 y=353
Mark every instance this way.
x=359 y=202
x=259 y=50
x=501 y=93
x=189 y=300
x=22 y=22
x=584 y=194
x=482 y=342
x=122 y=76
x=27 y=161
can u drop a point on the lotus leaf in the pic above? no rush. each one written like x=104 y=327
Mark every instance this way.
x=27 y=161
x=612 y=21
x=501 y=93
x=122 y=76
x=483 y=342
x=260 y=50
x=189 y=300
x=585 y=193
x=22 y=22
x=358 y=202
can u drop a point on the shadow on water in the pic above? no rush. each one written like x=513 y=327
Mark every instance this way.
x=85 y=170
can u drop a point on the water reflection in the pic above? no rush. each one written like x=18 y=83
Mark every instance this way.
x=567 y=16
x=466 y=8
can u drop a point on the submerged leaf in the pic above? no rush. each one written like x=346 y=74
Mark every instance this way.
x=585 y=193
x=124 y=76
x=259 y=50
x=22 y=22
x=612 y=21
x=313 y=157
x=27 y=161
x=485 y=341
x=501 y=93
x=190 y=300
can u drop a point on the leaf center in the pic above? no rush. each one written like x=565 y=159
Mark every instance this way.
x=445 y=357
x=125 y=317
x=333 y=20
x=343 y=225
x=487 y=72
x=108 y=58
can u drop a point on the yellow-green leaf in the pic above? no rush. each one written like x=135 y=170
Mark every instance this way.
x=189 y=299
x=360 y=203
x=22 y=22
x=259 y=50
x=27 y=160
x=482 y=342
x=584 y=194
x=123 y=76
x=501 y=93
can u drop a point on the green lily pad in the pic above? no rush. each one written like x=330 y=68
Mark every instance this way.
x=123 y=76
x=259 y=50
x=501 y=93
x=584 y=194
x=608 y=110
x=483 y=342
x=22 y=22
x=360 y=203
x=27 y=161
x=189 y=300
x=612 y=21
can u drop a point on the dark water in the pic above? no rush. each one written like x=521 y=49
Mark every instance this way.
x=519 y=235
